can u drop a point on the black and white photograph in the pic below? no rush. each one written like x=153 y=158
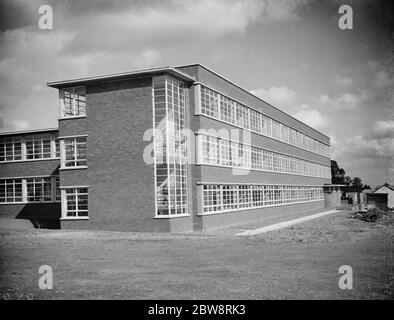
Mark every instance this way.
x=213 y=152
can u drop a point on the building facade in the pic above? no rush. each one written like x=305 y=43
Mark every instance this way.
x=172 y=149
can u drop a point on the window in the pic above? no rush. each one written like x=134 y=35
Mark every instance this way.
x=210 y=150
x=257 y=161
x=275 y=130
x=255 y=121
x=218 y=198
x=222 y=108
x=10 y=190
x=230 y=199
x=219 y=151
x=211 y=198
x=227 y=110
x=226 y=154
x=29 y=147
x=10 y=149
x=76 y=202
x=38 y=147
x=73 y=102
x=75 y=152
x=39 y=189
x=170 y=146
x=209 y=102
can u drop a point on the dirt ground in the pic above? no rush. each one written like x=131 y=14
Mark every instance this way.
x=299 y=262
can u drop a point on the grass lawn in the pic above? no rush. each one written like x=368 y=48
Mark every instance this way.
x=300 y=262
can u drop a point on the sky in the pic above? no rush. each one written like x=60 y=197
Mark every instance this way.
x=290 y=53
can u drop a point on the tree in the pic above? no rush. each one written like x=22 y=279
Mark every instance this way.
x=337 y=174
x=357 y=184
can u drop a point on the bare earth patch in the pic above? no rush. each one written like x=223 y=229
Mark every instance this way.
x=300 y=262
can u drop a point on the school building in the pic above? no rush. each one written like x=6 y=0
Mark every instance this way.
x=173 y=149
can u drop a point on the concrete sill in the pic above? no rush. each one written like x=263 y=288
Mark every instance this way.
x=171 y=217
x=73 y=168
x=70 y=118
x=74 y=219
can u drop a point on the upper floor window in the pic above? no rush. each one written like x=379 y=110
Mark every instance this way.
x=10 y=149
x=38 y=147
x=73 y=102
x=75 y=152
x=29 y=147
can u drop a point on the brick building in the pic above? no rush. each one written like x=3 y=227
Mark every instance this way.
x=217 y=156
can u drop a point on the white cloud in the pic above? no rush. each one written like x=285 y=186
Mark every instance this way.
x=344 y=101
x=344 y=82
x=377 y=143
x=279 y=96
x=383 y=129
x=13 y=124
x=312 y=117
x=365 y=147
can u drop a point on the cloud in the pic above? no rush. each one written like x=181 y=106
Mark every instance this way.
x=383 y=129
x=344 y=82
x=377 y=143
x=362 y=147
x=166 y=23
x=280 y=96
x=11 y=125
x=344 y=101
x=312 y=117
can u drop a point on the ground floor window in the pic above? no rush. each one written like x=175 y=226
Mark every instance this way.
x=226 y=197
x=39 y=189
x=75 y=202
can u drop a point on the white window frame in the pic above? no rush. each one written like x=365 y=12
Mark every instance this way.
x=75 y=110
x=38 y=183
x=74 y=191
x=74 y=159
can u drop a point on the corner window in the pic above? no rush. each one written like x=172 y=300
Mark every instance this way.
x=73 y=102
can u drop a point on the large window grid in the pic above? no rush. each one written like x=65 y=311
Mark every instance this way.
x=29 y=147
x=223 y=152
x=170 y=146
x=218 y=198
x=32 y=189
x=223 y=108
x=73 y=102
x=75 y=202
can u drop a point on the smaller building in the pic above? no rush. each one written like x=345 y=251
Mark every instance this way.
x=389 y=190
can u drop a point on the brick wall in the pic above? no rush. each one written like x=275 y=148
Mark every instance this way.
x=121 y=184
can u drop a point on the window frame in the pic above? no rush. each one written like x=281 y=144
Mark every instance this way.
x=64 y=144
x=76 y=111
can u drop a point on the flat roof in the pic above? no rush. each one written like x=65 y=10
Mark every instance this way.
x=28 y=131
x=122 y=75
